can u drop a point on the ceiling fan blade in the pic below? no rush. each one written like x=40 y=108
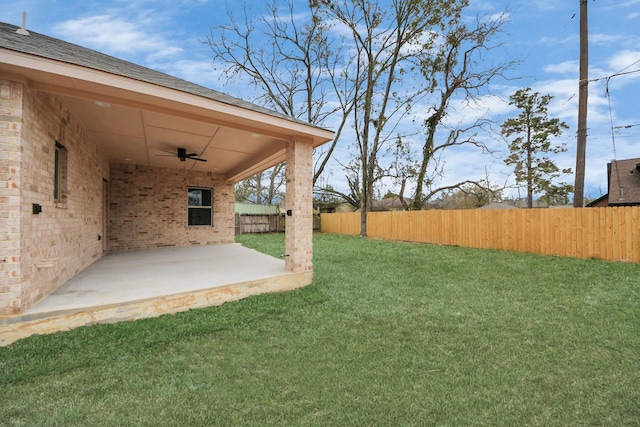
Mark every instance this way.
x=181 y=154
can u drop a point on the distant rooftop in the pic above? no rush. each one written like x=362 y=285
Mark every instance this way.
x=624 y=182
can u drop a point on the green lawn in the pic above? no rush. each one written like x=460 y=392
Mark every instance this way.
x=388 y=334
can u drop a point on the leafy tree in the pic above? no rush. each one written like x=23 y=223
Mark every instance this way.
x=456 y=67
x=459 y=69
x=557 y=194
x=471 y=195
x=402 y=170
x=388 y=41
x=529 y=149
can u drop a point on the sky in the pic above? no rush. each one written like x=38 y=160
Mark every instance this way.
x=168 y=35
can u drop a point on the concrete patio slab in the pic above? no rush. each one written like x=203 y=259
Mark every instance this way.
x=140 y=284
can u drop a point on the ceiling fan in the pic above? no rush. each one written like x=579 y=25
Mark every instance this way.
x=183 y=155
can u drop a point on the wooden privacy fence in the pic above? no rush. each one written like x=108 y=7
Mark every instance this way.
x=259 y=223
x=611 y=233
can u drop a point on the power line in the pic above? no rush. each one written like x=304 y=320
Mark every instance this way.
x=613 y=138
x=626 y=135
x=629 y=66
x=618 y=74
x=626 y=126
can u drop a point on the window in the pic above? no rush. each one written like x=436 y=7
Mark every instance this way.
x=199 y=208
x=60 y=174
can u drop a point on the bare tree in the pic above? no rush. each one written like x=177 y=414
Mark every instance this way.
x=264 y=188
x=367 y=64
x=470 y=195
x=294 y=66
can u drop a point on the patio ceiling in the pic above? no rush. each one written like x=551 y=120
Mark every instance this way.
x=136 y=122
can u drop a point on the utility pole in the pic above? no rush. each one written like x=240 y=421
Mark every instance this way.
x=583 y=91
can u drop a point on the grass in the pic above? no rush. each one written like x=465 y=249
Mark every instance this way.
x=389 y=333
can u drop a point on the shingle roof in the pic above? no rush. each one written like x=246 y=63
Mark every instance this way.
x=389 y=203
x=58 y=50
x=624 y=182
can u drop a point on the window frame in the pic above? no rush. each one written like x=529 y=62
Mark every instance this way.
x=60 y=174
x=202 y=206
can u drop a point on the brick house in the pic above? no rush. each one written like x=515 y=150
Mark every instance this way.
x=623 y=182
x=99 y=154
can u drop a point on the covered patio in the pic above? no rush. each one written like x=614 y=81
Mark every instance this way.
x=132 y=285
x=129 y=173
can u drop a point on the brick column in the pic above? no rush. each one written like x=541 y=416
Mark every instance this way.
x=299 y=199
x=11 y=105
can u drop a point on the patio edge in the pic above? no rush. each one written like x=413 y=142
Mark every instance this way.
x=13 y=328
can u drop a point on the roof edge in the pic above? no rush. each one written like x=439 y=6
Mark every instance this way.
x=51 y=50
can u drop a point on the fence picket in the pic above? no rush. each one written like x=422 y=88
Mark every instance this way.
x=611 y=233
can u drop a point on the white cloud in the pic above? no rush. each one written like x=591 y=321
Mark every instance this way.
x=624 y=59
x=138 y=31
x=115 y=35
x=196 y=71
x=547 y=4
x=566 y=67
x=622 y=4
x=462 y=113
x=550 y=40
x=483 y=5
x=605 y=39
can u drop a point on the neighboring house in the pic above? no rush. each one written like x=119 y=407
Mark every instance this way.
x=600 y=202
x=344 y=208
x=522 y=204
x=393 y=203
x=623 y=182
x=339 y=207
x=498 y=205
x=99 y=154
